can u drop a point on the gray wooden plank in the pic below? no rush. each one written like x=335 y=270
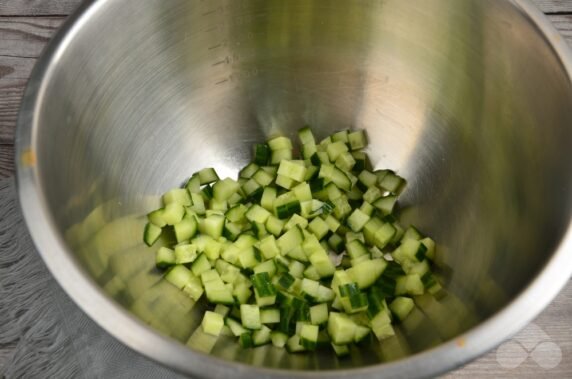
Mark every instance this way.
x=554 y=6
x=23 y=39
x=563 y=24
x=37 y=7
x=65 y=7
x=6 y=159
x=541 y=350
x=6 y=352
x=26 y=36
x=14 y=73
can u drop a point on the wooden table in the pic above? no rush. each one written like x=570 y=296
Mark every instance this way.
x=27 y=25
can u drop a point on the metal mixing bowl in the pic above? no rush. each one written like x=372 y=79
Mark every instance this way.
x=469 y=100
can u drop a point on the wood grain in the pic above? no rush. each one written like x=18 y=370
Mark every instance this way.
x=563 y=24
x=554 y=6
x=37 y=7
x=6 y=159
x=23 y=39
x=27 y=25
x=65 y=7
x=551 y=329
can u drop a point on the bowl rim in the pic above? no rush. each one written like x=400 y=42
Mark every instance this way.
x=143 y=339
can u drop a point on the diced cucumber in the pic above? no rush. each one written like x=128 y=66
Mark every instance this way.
x=293 y=344
x=384 y=235
x=151 y=234
x=185 y=229
x=410 y=250
x=325 y=295
x=367 y=208
x=335 y=149
x=296 y=269
x=212 y=225
x=279 y=143
x=292 y=170
x=262 y=336
x=286 y=210
x=319 y=314
x=311 y=273
x=306 y=136
x=381 y=326
x=322 y=263
x=278 y=156
x=200 y=265
x=268 y=198
x=263 y=248
x=357 y=140
x=186 y=253
x=274 y=226
x=222 y=310
x=248 y=257
x=420 y=269
x=410 y=285
x=242 y=293
x=362 y=162
x=257 y=214
x=401 y=307
x=207 y=176
x=236 y=327
x=290 y=240
x=261 y=154
x=341 y=350
x=309 y=336
x=385 y=204
x=279 y=339
x=341 y=328
x=309 y=150
x=336 y=243
x=412 y=233
x=268 y=266
x=342 y=207
x=318 y=227
x=172 y=213
x=341 y=136
x=270 y=316
x=198 y=204
x=179 y=276
x=224 y=189
x=333 y=224
x=250 y=316
x=430 y=245
x=392 y=183
x=156 y=217
x=245 y=340
x=367 y=272
x=193 y=184
x=212 y=323
x=345 y=161
x=372 y=194
x=361 y=333
x=356 y=249
x=164 y=257
x=177 y=195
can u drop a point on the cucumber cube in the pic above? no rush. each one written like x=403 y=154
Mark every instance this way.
x=212 y=323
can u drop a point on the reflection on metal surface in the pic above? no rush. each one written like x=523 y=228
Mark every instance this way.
x=466 y=99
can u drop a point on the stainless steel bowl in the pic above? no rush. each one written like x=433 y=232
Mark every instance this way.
x=469 y=100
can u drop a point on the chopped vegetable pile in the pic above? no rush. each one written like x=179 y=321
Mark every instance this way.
x=301 y=253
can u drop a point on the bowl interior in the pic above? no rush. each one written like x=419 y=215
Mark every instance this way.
x=465 y=99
